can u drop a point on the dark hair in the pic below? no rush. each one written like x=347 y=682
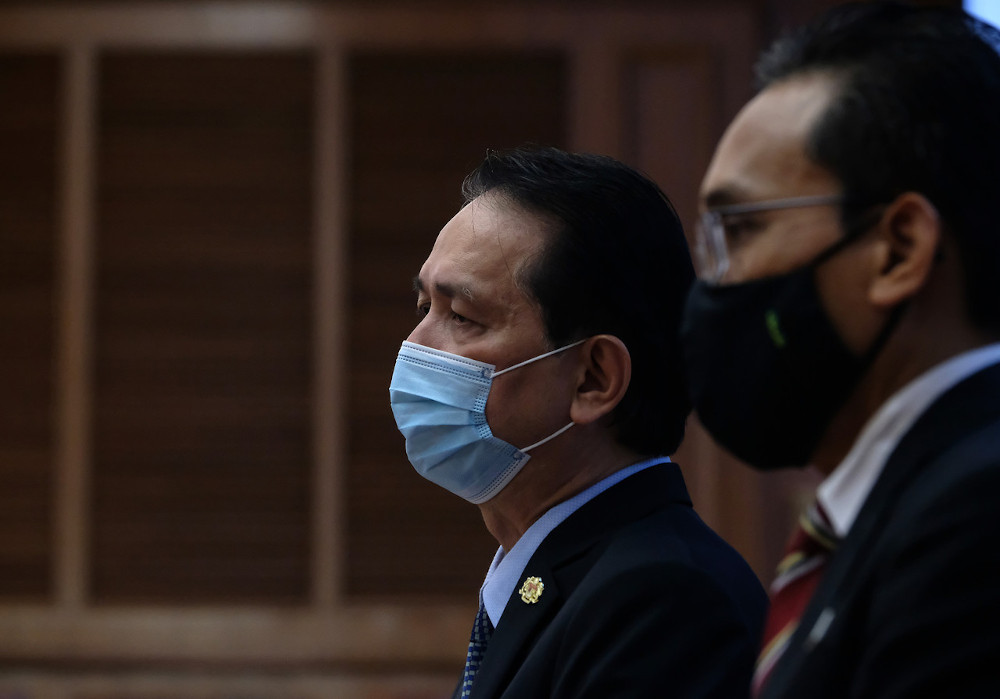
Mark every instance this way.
x=615 y=262
x=917 y=108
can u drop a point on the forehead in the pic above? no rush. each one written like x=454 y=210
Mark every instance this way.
x=762 y=155
x=481 y=250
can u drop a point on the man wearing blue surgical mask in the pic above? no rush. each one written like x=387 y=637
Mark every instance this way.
x=543 y=383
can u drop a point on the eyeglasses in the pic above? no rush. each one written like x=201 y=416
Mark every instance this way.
x=712 y=254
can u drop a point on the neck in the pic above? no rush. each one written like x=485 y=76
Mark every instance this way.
x=914 y=349
x=553 y=475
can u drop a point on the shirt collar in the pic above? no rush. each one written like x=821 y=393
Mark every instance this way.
x=505 y=572
x=844 y=491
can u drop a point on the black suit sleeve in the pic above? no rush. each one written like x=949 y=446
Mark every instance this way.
x=666 y=630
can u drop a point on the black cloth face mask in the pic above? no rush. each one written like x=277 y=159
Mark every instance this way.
x=767 y=370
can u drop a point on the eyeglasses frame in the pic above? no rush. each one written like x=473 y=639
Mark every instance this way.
x=711 y=233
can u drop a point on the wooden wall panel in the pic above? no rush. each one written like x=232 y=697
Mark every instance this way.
x=677 y=103
x=419 y=123
x=201 y=455
x=674 y=92
x=184 y=420
x=30 y=85
x=199 y=685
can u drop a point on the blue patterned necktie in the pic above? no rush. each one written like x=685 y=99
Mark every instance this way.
x=482 y=630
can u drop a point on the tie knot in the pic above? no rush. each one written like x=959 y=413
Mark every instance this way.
x=813 y=538
x=482 y=630
x=817 y=526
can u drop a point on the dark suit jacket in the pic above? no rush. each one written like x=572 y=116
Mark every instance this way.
x=910 y=603
x=641 y=599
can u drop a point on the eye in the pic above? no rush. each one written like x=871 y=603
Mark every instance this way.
x=738 y=227
x=424 y=310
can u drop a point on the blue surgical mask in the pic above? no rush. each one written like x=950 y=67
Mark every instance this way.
x=439 y=402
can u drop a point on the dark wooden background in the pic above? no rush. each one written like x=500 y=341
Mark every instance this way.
x=210 y=216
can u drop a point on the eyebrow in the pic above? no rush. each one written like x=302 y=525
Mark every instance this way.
x=448 y=290
x=722 y=196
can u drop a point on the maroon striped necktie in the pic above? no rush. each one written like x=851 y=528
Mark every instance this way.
x=799 y=572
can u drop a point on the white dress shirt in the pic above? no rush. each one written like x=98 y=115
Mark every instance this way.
x=845 y=490
x=505 y=572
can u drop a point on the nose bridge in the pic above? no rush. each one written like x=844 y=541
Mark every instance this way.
x=431 y=331
x=421 y=333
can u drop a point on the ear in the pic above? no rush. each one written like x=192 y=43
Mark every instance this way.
x=604 y=376
x=911 y=235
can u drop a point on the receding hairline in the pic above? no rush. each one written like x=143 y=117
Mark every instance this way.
x=503 y=198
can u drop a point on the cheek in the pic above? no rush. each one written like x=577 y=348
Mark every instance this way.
x=528 y=407
x=765 y=256
x=842 y=283
x=506 y=412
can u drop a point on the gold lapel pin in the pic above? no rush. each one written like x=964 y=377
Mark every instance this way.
x=531 y=590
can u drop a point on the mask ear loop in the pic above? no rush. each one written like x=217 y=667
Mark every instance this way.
x=549 y=438
x=859 y=227
x=857 y=230
x=541 y=356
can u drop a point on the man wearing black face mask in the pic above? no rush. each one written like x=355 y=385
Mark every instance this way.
x=847 y=316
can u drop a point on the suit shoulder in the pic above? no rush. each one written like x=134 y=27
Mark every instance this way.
x=674 y=538
x=669 y=559
x=961 y=482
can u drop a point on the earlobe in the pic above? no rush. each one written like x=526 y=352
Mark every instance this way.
x=911 y=230
x=604 y=377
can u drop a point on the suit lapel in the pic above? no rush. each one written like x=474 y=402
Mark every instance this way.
x=582 y=534
x=963 y=410
x=519 y=626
